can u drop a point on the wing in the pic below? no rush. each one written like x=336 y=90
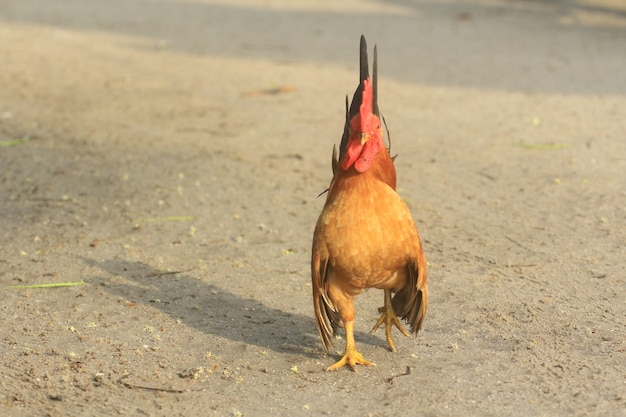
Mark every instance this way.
x=326 y=315
x=411 y=302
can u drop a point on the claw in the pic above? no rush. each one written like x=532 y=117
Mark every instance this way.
x=351 y=358
x=388 y=316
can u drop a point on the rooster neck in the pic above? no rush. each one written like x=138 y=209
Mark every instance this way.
x=381 y=170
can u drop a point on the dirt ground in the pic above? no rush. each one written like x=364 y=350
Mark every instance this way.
x=168 y=155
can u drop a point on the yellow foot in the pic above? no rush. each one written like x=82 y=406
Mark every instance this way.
x=350 y=359
x=390 y=319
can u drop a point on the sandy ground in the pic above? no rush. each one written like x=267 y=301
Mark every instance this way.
x=168 y=154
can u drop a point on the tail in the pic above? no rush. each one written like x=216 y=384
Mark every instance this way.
x=411 y=302
x=364 y=74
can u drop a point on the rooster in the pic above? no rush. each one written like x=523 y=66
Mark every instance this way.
x=365 y=236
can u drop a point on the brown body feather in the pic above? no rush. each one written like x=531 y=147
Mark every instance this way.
x=365 y=237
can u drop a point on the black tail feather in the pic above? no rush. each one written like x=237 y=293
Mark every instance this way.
x=375 y=83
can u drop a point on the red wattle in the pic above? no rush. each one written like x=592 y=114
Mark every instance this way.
x=353 y=151
x=371 y=148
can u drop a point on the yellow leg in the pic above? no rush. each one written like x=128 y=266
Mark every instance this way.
x=390 y=319
x=352 y=356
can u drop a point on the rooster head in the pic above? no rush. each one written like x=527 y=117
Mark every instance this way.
x=362 y=136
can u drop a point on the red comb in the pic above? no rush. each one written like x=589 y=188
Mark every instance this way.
x=365 y=111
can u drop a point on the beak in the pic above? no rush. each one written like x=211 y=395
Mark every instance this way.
x=364 y=138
